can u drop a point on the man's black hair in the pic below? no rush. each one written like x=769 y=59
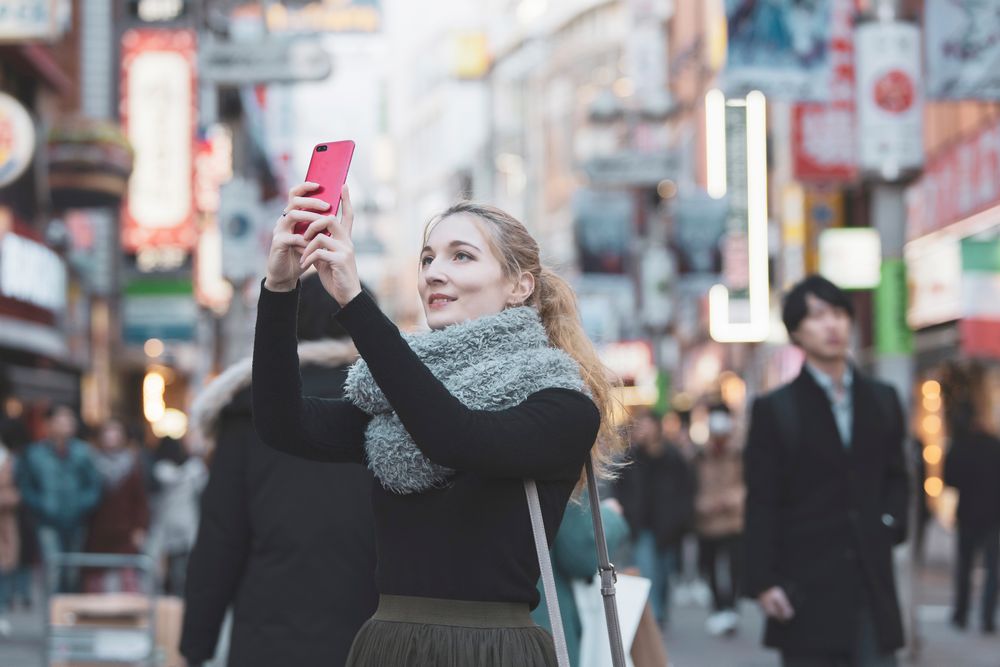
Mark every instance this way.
x=795 y=307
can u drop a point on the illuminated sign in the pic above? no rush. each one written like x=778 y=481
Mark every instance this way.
x=158 y=114
x=23 y=20
x=851 y=257
x=32 y=273
x=17 y=139
x=327 y=16
x=737 y=163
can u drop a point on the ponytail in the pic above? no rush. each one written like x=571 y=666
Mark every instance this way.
x=556 y=303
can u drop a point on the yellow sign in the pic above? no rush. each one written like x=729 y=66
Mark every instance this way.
x=824 y=209
x=326 y=16
x=470 y=57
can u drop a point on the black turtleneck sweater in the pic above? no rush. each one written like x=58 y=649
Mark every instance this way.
x=471 y=540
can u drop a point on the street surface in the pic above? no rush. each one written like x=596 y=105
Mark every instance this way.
x=689 y=645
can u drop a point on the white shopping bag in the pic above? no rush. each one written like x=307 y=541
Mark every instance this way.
x=631 y=593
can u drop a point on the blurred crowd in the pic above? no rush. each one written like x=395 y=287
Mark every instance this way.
x=99 y=491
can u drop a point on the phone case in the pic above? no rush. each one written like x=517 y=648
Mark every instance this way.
x=328 y=167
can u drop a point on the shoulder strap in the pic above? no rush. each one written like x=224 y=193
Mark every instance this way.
x=545 y=564
x=605 y=568
x=607 y=572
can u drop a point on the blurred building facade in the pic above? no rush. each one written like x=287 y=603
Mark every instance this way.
x=164 y=135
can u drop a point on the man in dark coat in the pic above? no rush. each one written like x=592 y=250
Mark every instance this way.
x=656 y=492
x=972 y=466
x=288 y=543
x=827 y=497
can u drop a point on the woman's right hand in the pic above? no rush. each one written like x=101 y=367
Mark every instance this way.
x=283 y=260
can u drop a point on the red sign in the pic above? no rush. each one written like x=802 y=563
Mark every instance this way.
x=823 y=135
x=895 y=91
x=980 y=337
x=957 y=183
x=159 y=116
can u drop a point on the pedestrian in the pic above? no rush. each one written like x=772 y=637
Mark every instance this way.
x=15 y=435
x=121 y=519
x=59 y=483
x=451 y=422
x=288 y=543
x=181 y=478
x=972 y=466
x=10 y=499
x=827 y=497
x=719 y=518
x=656 y=491
x=574 y=558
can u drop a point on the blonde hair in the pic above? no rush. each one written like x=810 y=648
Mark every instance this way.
x=556 y=303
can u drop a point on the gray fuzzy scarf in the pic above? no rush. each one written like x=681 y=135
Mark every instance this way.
x=490 y=363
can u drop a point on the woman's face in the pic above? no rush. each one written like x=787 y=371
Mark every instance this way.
x=112 y=436
x=460 y=277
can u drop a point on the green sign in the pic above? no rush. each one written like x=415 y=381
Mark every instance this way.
x=159 y=308
x=892 y=333
x=663 y=383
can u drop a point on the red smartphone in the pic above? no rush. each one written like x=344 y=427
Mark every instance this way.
x=328 y=167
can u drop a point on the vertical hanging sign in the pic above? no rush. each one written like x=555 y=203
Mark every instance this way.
x=821 y=145
x=158 y=111
x=890 y=99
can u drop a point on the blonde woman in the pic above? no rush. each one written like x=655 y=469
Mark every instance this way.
x=505 y=387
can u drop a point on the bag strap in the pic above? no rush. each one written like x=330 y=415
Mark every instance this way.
x=607 y=571
x=545 y=564
x=605 y=568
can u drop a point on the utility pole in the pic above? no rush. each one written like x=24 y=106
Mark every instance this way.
x=893 y=358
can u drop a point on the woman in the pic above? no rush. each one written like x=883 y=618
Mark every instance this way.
x=719 y=518
x=119 y=524
x=181 y=479
x=450 y=422
x=9 y=538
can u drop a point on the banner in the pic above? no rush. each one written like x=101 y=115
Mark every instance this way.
x=28 y=20
x=962 y=49
x=781 y=48
x=158 y=107
x=350 y=16
x=819 y=149
x=957 y=183
x=890 y=99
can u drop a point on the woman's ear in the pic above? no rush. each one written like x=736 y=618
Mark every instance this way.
x=522 y=290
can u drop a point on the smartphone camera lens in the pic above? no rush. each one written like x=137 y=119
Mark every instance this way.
x=320 y=148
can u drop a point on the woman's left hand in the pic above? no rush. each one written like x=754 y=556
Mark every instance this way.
x=333 y=255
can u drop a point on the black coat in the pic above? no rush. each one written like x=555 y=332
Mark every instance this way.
x=973 y=467
x=657 y=494
x=821 y=519
x=289 y=543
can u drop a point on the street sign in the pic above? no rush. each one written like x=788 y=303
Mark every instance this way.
x=632 y=168
x=269 y=60
x=159 y=308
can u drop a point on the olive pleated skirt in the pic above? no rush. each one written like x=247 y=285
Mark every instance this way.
x=431 y=632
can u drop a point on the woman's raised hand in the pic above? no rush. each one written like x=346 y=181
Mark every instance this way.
x=333 y=255
x=284 y=259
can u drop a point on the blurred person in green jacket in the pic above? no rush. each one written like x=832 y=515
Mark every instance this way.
x=574 y=557
x=60 y=486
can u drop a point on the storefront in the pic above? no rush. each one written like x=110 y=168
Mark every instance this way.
x=37 y=367
x=953 y=267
